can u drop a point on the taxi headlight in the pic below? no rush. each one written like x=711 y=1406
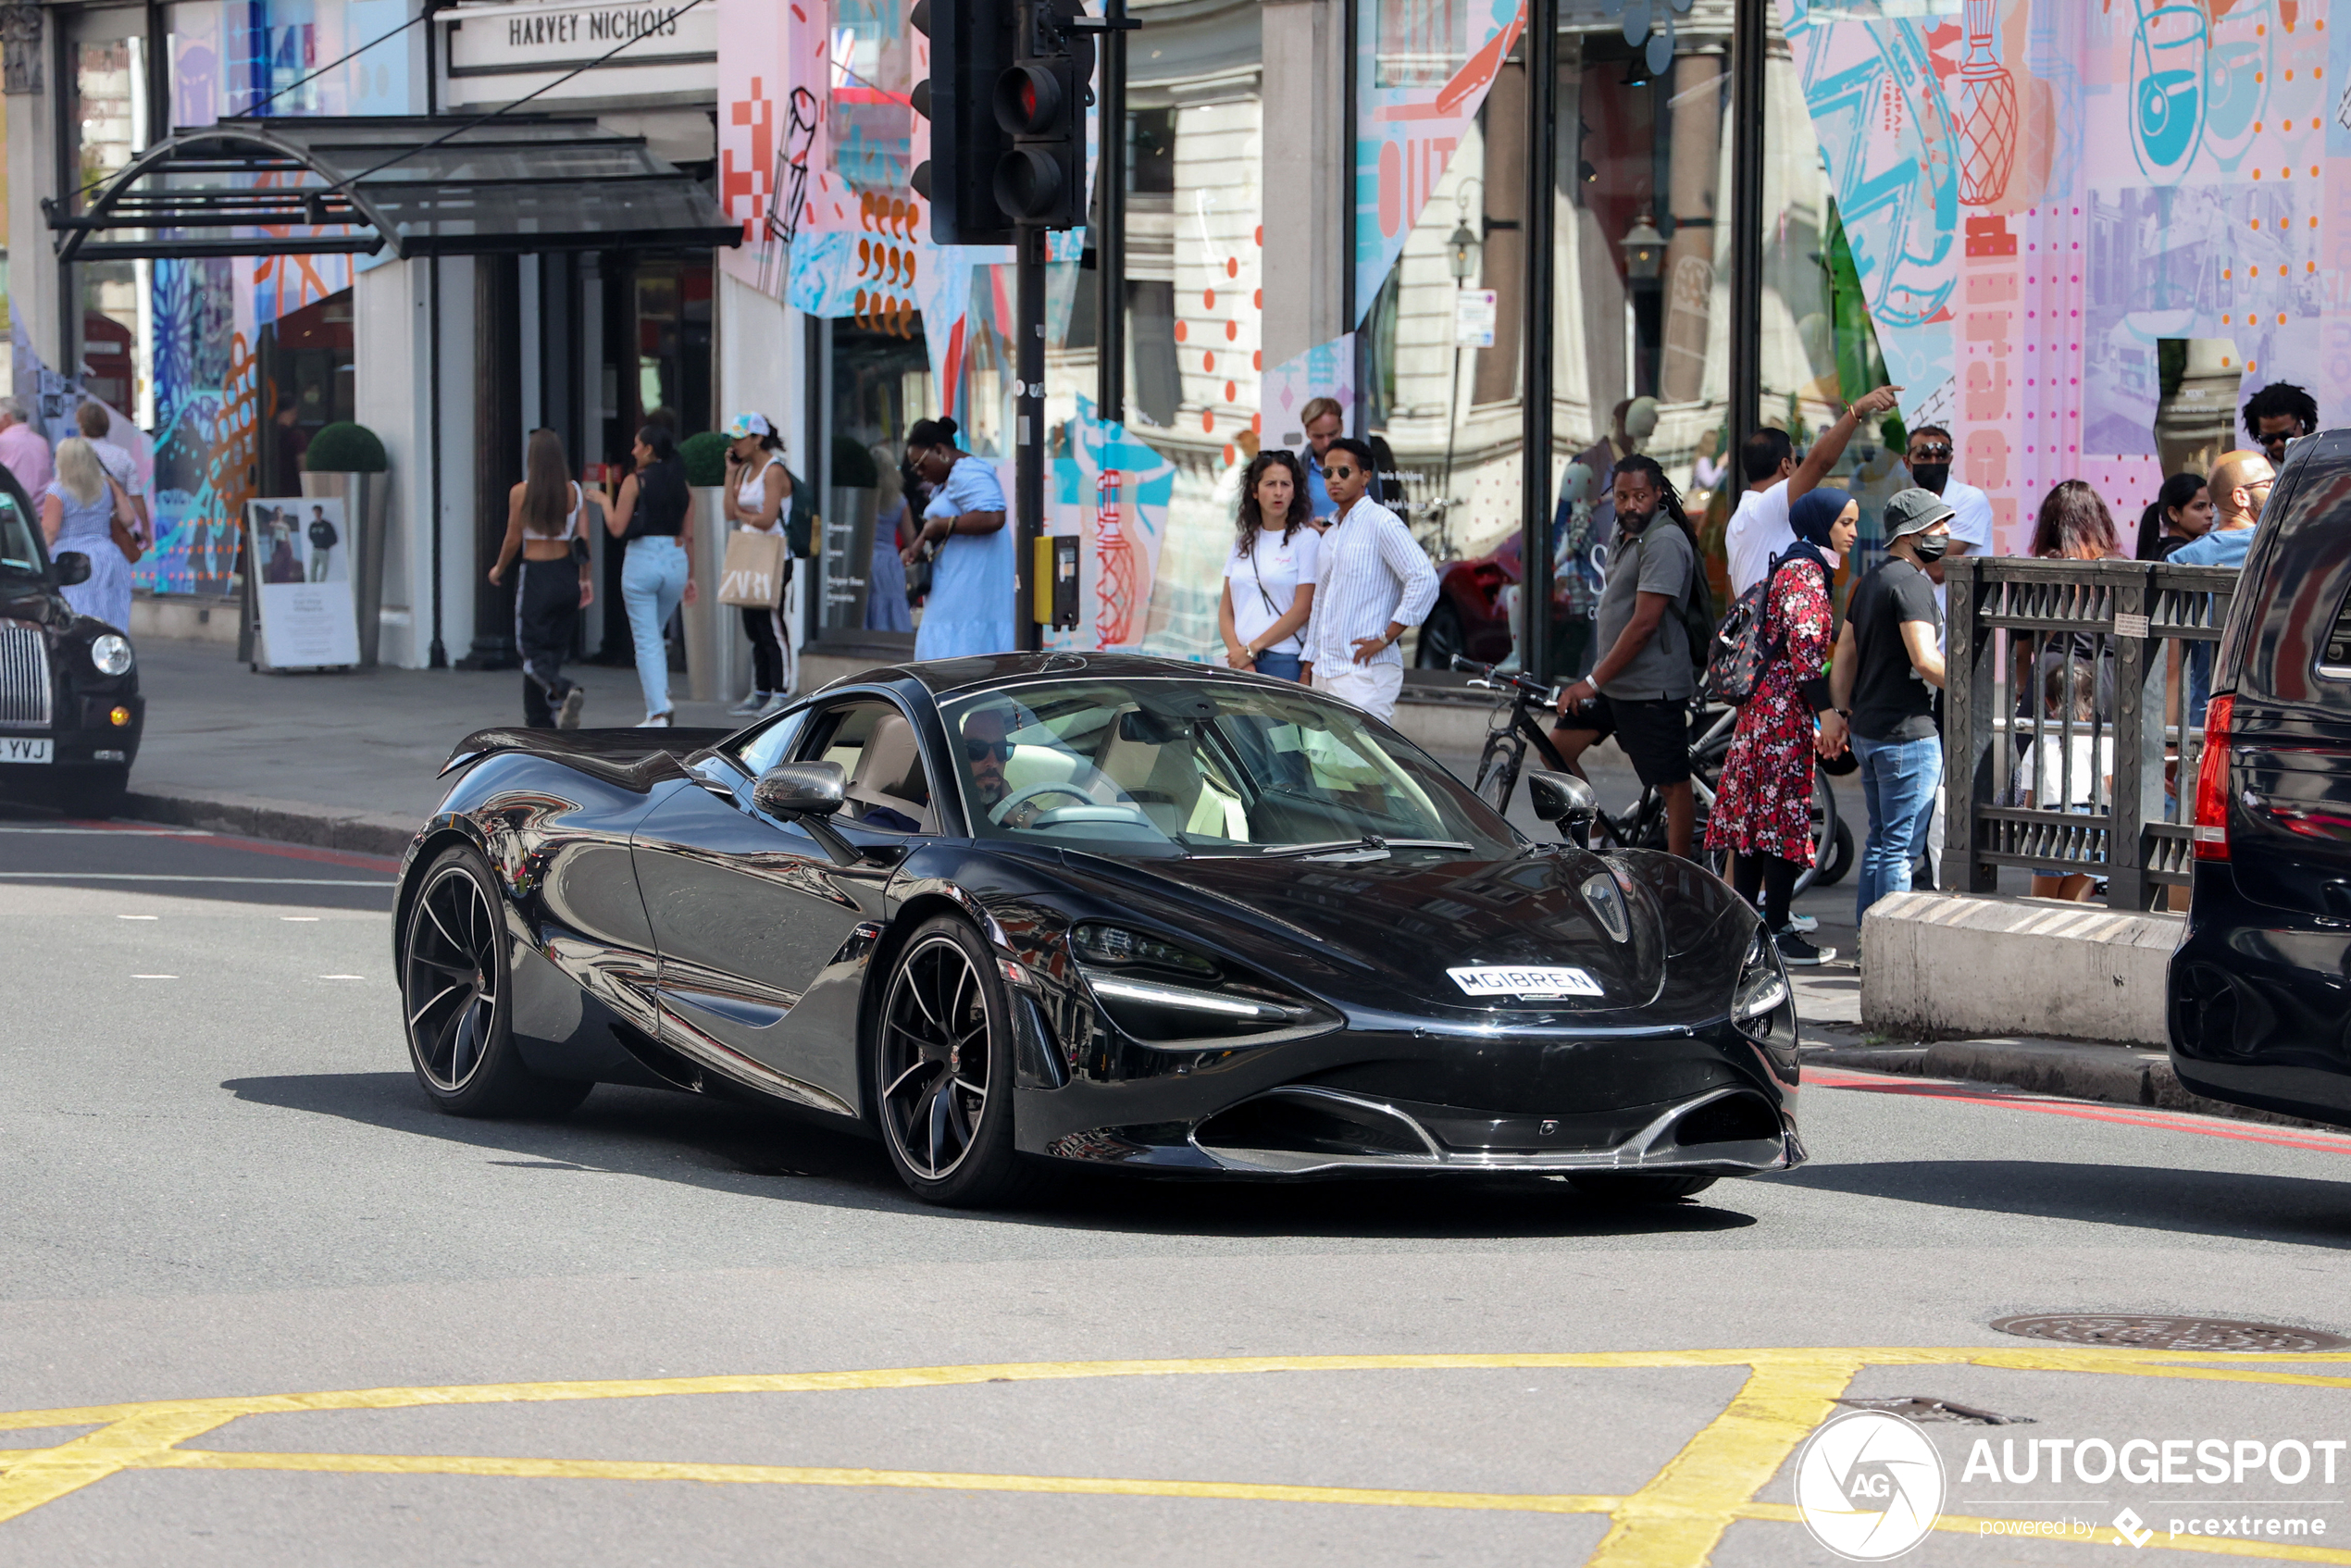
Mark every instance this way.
x=111 y=653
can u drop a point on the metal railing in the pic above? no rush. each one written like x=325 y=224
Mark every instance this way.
x=2073 y=713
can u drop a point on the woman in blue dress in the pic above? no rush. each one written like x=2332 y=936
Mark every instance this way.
x=970 y=607
x=77 y=512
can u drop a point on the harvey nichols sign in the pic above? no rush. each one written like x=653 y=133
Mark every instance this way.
x=531 y=40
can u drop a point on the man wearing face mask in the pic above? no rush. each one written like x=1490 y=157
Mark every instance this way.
x=1929 y=458
x=1889 y=663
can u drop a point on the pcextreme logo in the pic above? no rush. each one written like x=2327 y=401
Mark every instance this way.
x=1869 y=1485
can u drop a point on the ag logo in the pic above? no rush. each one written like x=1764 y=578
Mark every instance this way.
x=1869 y=1485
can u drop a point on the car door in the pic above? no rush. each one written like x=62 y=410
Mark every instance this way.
x=752 y=915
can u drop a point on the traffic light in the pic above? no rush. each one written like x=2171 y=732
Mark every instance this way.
x=1041 y=105
x=971 y=46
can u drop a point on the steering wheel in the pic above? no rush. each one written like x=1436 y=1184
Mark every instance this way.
x=1021 y=797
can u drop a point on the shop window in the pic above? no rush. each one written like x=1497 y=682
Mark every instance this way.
x=307 y=384
x=881 y=384
x=106 y=121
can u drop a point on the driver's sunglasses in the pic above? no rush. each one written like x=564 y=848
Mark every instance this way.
x=1930 y=453
x=980 y=751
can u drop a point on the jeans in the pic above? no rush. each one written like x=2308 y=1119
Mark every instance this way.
x=653 y=579
x=1899 y=781
x=1281 y=666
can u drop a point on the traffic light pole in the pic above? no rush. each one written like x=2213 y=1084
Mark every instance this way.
x=1028 y=406
x=1110 y=240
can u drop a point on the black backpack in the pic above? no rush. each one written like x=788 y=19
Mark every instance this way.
x=800 y=520
x=1744 y=644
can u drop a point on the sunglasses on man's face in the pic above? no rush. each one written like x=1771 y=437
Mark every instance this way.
x=1337 y=471
x=1930 y=453
x=2277 y=439
x=980 y=751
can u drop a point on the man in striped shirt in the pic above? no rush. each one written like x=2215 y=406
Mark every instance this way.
x=1375 y=585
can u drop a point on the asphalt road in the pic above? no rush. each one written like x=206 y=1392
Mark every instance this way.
x=258 y=1304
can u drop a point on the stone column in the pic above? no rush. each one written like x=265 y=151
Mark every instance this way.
x=1308 y=181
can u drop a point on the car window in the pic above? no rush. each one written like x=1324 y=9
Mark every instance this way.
x=21 y=554
x=875 y=745
x=1164 y=767
x=770 y=744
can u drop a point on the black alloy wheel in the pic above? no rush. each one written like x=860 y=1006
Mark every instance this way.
x=453 y=989
x=943 y=1072
x=1441 y=638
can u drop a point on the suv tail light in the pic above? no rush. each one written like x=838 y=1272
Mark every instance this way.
x=2210 y=829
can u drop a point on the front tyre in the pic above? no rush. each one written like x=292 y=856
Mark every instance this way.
x=944 y=1070
x=456 y=994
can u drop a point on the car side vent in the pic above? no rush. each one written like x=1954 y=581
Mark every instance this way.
x=2336 y=660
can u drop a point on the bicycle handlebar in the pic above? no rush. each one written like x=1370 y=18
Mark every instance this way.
x=1487 y=676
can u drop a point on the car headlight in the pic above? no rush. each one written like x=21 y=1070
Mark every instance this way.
x=1162 y=993
x=1763 y=1004
x=1119 y=947
x=111 y=653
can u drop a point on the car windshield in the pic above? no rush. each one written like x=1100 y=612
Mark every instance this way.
x=20 y=553
x=1171 y=766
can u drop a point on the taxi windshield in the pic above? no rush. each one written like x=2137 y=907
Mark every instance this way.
x=1171 y=767
x=20 y=553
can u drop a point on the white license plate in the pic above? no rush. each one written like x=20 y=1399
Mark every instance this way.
x=24 y=748
x=1523 y=981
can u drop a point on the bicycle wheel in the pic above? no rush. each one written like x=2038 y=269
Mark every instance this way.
x=1498 y=768
x=1824 y=826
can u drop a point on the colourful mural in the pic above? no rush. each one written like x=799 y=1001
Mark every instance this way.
x=2037 y=193
x=1421 y=81
x=1113 y=492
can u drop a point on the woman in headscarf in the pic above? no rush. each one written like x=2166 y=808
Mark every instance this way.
x=1763 y=806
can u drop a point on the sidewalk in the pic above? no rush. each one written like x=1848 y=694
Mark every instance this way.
x=342 y=760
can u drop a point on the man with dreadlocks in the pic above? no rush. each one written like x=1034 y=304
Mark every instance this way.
x=1640 y=690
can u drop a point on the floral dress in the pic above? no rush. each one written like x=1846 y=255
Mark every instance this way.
x=1765 y=803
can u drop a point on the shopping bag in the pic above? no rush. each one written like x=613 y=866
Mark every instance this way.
x=753 y=574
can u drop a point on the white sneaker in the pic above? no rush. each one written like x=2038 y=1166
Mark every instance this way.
x=1802 y=923
x=655 y=721
x=776 y=705
x=752 y=705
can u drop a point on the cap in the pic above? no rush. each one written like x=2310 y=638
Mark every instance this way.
x=1914 y=511
x=743 y=425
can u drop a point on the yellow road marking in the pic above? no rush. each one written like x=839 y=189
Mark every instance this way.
x=1674 y=1521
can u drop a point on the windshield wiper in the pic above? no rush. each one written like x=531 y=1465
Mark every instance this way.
x=1369 y=842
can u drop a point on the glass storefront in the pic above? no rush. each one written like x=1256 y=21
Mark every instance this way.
x=307 y=384
x=108 y=121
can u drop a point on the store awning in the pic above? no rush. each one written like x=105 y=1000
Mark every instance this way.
x=423 y=185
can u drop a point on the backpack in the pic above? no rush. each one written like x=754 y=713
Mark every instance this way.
x=800 y=520
x=1743 y=646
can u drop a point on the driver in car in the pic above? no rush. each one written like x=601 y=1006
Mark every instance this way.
x=985 y=750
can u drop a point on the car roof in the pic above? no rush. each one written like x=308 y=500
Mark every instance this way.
x=945 y=676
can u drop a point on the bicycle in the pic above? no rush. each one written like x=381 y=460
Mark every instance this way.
x=1641 y=824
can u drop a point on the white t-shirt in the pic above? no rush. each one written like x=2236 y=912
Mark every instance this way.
x=1971 y=524
x=1757 y=532
x=119 y=465
x=2073 y=769
x=1280 y=568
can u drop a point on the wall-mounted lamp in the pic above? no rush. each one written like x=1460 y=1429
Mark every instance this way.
x=1643 y=250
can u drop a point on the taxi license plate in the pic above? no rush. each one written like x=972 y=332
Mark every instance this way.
x=24 y=748
x=1523 y=981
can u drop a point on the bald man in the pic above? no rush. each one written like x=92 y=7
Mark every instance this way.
x=2240 y=488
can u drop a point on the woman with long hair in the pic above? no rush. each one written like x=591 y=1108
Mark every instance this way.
x=1763 y=807
x=543 y=521
x=2074 y=525
x=656 y=575
x=758 y=487
x=2182 y=512
x=81 y=510
x=969 y=609
x=1270 y=576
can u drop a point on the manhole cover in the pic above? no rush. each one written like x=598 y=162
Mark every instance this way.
x=1921 y=1407
x=2152 y=1333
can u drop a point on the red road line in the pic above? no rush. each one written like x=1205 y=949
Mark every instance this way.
x=256 y=846
x=2164 y=1121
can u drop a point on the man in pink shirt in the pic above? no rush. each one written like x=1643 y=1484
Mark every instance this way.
x=23 y=450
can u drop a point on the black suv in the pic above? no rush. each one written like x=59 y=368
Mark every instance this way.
x=71 y=712
x=2260 y=988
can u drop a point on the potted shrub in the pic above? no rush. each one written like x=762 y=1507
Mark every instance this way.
x=346 y=461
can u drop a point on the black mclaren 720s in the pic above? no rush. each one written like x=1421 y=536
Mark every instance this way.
x=1013 y=912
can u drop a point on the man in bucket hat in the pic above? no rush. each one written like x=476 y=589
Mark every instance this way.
x=1887 y=656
